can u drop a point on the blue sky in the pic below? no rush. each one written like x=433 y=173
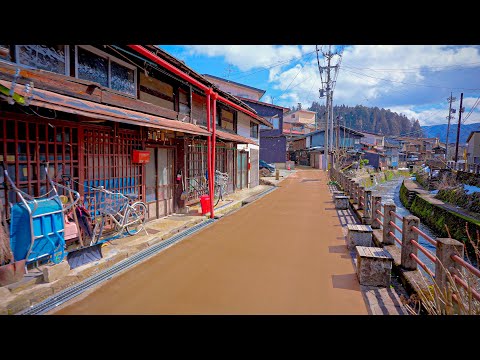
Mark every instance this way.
x=414 y=80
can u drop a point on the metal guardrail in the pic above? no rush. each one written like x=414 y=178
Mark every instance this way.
x=396 y=215
x=427 y=253
x=395 y=238
x=463 y=284
x=425 y=236
x=422 y=264
x=466 y=265
x=396 y=226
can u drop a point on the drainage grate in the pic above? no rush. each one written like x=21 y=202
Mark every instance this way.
x=68 y=294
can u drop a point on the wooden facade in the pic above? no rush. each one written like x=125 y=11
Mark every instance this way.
x=89 y=131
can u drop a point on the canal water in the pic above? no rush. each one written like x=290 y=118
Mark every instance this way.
x=390 y=193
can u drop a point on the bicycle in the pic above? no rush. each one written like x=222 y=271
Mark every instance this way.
x=221 y=183
x=220 y=186
x=126 y=213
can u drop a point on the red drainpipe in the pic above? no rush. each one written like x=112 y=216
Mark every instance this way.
x=209 y=151
x=214 y=143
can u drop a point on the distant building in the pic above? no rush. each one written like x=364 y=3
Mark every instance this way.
x=473 y=148
x=348 y=138
x=372 y=140
x=376 y=159
x=392 y=149
x=301 y=116
x=273 y=141
x=417 y=149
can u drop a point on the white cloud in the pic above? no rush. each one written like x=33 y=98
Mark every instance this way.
x=404 y=78
x=401 y=67
x=247 y=57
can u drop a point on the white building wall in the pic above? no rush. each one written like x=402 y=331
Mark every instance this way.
x=243 y=129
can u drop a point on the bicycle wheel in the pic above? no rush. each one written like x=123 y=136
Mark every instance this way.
x=136 y=216
x=97 y=230
x=217 y=194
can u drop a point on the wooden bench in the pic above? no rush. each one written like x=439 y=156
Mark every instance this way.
x=359 y=235
x=374 y=266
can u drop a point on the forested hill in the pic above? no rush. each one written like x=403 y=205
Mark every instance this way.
x=375 y=120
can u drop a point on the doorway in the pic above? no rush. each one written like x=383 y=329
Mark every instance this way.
x=159 y=184
x=242 y=169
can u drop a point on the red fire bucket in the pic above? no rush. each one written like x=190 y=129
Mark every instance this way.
x=205 y=203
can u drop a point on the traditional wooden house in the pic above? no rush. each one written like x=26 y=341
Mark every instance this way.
x=129 y=118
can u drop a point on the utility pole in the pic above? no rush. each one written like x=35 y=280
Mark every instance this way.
x=328 y=92
x=327 y=114
x=458 y=128
x=450 y=99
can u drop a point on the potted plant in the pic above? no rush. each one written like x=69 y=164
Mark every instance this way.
x=10 y=270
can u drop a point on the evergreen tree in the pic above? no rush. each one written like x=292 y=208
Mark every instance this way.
x=416 y=129
x=375 y=120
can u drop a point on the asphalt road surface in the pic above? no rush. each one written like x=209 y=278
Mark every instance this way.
x=282 y=254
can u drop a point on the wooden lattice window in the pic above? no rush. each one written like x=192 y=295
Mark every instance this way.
x=195 y=169
x=27 y=144
x=108 y=163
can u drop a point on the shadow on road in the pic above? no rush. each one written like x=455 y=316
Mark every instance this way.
x=346 y=281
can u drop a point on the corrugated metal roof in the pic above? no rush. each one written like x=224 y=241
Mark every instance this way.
x=91 y=109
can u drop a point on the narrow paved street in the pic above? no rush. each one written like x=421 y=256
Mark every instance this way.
x=282 y=254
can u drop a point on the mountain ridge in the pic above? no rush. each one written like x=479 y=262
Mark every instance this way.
x=440 y=131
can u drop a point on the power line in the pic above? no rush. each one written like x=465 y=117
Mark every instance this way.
x=245 y=74
x=412 y=69
x=471 y=110
x=298 y=73
x=413 y=84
